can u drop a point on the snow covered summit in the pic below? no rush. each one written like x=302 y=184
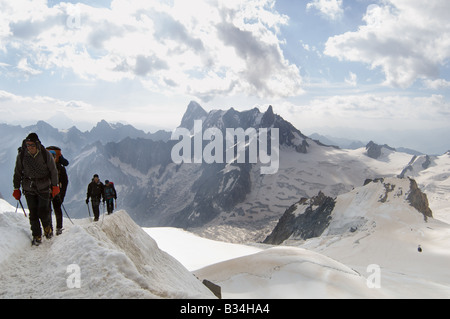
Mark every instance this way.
x=385 y=198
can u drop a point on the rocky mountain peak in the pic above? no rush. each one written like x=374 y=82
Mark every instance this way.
x=305 y=219
x=194 y=112
x=231 y=118
x=268 y=118
x=374 y=150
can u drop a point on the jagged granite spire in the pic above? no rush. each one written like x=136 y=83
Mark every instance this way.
x=194 y=112
x=268 y=118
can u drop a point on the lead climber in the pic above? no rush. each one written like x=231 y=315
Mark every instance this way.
x=36 y=173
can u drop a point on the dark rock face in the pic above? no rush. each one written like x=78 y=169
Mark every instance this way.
x=211 y=198
x=215 y=289
x=419 y=200
x=219 y=189
x=409 y=168
x=427 y=162
x=374 y=150
x=312 y=222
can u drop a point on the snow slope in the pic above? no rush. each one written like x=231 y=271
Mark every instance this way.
x=113 y=258
x=195 y=252
x=287 y=272
x=379 y=258
x=263 y=272
x=388 y=234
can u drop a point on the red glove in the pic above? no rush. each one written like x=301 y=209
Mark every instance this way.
x=55 y=191
x=17 y=194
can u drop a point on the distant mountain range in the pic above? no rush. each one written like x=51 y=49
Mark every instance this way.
x=354 y=144
x=158 y=192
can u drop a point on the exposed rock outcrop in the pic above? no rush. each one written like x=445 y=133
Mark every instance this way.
x=306 y=219
x=419 y=200
x=374 y=150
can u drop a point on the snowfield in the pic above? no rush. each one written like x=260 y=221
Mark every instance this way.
x=195 y=252
x=379 y=259
x=115 y=258
x=287 y=272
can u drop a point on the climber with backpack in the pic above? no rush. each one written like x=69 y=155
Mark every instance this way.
x=110 y=196
x=36 y=173
x=58 y=200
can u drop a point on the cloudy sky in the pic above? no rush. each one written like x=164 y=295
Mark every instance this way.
x=362 y=69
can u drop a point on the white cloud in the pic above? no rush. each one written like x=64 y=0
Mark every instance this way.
x=407 y=39
x=64 y=113
x=27 y=107
x=369 y=111
x=331 y=9
x=25 y=68
x=437 y=84
x=169 y=46
x=352 y=79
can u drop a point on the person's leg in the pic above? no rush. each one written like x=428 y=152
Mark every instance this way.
x=95 y=208
x=110 y=206
x=58 y=212
x=44 y=214
x=33 y=203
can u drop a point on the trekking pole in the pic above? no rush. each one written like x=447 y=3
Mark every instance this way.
x=20 y=202
x=87 y=204
x=62 y=205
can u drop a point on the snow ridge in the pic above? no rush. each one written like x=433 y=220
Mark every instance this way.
x=115 y=259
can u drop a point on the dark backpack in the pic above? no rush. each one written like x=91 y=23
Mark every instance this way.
x=110 y=191
x=59 y=157
x=60 y=162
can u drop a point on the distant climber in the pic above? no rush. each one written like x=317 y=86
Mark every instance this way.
x=110 y=195
x=95 y=191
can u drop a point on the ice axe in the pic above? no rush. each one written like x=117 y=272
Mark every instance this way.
x=20 y=202
x=87 y=204
x=65 y=211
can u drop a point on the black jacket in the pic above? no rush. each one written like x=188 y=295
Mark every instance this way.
x=95 y=191
x=63 y=180
x=36 y=174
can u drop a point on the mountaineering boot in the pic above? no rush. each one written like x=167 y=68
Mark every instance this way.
x=58 y=231
x=37 y=240
x=48 y=232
